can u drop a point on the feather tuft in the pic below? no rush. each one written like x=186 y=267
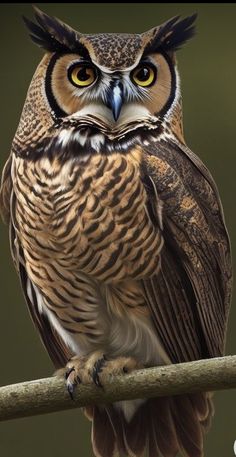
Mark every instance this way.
x=53 y=35
x=171 y=35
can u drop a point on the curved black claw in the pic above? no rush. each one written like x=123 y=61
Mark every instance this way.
x=98 y=366
x=69 y=371
x=70 y=386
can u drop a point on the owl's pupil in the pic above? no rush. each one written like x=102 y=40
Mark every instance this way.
x=82 y=74
x=143 y=74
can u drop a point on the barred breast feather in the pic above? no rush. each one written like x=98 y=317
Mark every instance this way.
x=87 y=238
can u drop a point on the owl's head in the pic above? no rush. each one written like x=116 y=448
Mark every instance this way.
x=117 y=82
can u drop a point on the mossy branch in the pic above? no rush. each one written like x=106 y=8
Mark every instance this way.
x=50 y=394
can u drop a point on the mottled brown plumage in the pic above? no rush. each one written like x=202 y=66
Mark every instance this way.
x=117 y=229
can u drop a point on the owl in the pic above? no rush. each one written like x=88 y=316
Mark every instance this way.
x=116 y=228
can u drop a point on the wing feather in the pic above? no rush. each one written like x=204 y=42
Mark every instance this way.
x=58 y=351
x=56 y=348
x=190 y=297
x=5 y=190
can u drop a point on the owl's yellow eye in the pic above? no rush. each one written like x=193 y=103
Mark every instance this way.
x=144 y=75
x=82 y=75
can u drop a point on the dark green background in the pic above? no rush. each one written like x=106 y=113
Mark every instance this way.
x=208 y=72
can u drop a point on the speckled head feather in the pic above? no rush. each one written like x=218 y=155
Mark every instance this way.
x=108 y=49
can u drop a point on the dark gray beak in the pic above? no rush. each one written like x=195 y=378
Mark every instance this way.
x=115 y=98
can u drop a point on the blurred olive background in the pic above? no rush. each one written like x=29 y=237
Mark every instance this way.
x=208 y=71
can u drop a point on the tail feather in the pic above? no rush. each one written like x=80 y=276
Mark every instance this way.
x=103 y=436
x=162 y=430
x=188 y=428
x=210 y=411
x=203 y=405
x=160 y=427
x=117 y=421
x=135 y=433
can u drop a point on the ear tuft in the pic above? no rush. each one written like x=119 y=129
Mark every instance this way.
x=53 y=35
x=172 y=34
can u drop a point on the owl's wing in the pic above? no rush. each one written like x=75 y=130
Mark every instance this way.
x=5 y=190
x=53 y=343
x=190 y=297
x=55 y=346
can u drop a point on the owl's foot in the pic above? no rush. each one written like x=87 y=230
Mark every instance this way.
x=96 y=368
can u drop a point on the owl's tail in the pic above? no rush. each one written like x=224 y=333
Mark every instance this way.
x=161 y=427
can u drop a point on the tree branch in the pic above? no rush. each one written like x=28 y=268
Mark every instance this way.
x=50 y=394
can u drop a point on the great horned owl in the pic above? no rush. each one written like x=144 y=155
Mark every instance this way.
x=116 y=227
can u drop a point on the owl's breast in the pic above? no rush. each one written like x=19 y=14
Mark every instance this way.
x=89 y=215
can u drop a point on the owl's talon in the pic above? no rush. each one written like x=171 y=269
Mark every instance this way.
x=71 y=381
x=98 y=366
x=71 y=388
x=96 y=380
x=69 y=371
x=96 y=369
